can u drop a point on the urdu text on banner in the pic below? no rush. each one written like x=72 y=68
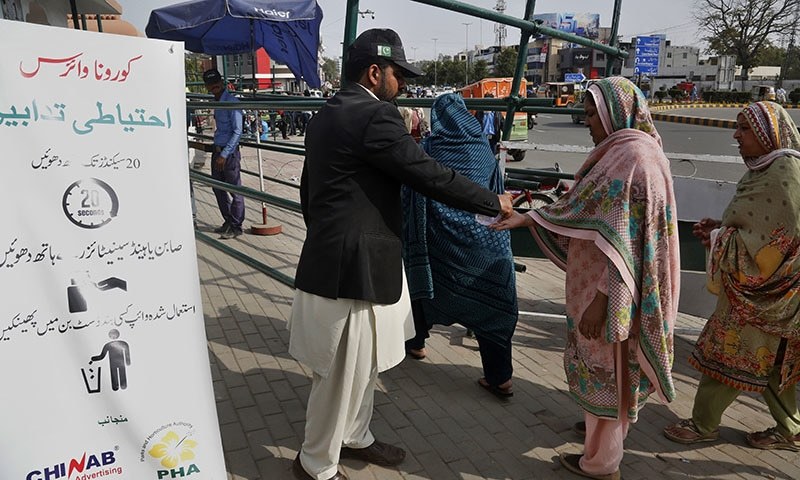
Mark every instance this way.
x=101 y=324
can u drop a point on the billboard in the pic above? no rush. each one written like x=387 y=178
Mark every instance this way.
x=581 y=24
x=101 y=325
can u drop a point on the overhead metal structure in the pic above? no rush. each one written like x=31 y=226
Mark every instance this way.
x=526 y=25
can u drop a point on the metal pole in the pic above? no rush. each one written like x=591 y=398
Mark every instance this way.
x=74 y=9
x=466 y=53
x=524 y=25
x=612 y=42
x=519 y=72
x=350 y=26
x=435 y=62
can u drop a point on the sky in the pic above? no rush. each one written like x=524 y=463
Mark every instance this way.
x=419 y=24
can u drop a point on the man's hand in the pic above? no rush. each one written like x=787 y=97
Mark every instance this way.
x=594 y=317
x=514 y=221
x=703 y=228
x=220 y=164
x=506 y=207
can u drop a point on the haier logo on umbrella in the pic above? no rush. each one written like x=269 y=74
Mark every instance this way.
x=273 y=12
x=384 y=51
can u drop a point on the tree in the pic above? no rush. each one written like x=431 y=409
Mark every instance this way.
x=506 y=63
x=772 y=55
x=193 y=66
x=330 y=70
x=480 y=70
x=743 y=27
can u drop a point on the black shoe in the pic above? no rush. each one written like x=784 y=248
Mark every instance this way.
x=378 y=453
x=231 y=233
x=222 y=228
x=301 y=474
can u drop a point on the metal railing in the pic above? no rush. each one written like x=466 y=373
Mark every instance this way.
x=523 y=245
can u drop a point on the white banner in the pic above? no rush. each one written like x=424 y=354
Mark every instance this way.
x=102 y=340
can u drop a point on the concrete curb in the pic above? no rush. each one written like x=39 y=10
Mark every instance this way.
x=680 y=106
x=706 y=122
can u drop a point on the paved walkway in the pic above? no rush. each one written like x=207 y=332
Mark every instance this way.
x=433 y=408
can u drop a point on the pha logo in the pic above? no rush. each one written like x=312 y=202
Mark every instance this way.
x=173 y=447
x=87 y=466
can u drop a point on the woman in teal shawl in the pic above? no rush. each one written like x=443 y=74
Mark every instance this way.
x=751 y=342
x=458 y=270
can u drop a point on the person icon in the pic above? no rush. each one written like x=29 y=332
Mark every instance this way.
x=119 y=357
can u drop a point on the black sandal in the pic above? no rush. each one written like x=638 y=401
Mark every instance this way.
x=501 y=393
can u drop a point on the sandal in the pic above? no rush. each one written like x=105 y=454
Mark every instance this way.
x=773 y=439
x=686 y=432
x=571 y=461
x=497 y=391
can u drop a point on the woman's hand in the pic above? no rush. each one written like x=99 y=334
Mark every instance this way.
x=515 y=220
x=594 y=317
x=703 y=228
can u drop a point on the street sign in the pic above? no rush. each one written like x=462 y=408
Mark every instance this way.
x=648 y=41
x=647 y=53
x=651 y=61
x=574 y=77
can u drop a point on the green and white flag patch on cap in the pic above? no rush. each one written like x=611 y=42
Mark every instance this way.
x=384 y=51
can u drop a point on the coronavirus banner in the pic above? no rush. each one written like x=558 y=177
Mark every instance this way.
x=102 y=340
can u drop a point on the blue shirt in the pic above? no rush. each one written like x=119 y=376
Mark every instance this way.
x=488 y=123
x=229 y=126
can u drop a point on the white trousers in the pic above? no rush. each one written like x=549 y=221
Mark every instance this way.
x=340 y=404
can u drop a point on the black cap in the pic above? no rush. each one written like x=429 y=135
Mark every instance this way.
x=382 y=43
x=211 y=76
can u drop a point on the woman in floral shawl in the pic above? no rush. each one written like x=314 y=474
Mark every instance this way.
x=615 y=234
x=752 y=340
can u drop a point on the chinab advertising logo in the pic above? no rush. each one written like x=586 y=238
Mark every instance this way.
x=89 y=466
x=173 y=447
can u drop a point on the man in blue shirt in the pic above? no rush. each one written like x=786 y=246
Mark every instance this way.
x=226 y=159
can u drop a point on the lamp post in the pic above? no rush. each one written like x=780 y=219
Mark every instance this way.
x=435 y=62
x=466 y=53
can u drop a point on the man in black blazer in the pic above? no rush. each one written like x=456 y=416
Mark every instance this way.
x=351 y=311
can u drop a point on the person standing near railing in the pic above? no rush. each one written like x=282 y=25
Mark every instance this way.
x=226 y=158
x=351 y=310
x=615 y=233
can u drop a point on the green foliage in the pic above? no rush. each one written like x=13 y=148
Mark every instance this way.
x=330 y=70
x=794 y=96
x=479 y=70
x=771 y=55
x=713 y=96
x=744 y=27
x=193 y=67
x=506 y=62
x=677 y=94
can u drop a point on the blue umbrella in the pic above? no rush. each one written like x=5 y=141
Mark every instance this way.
x=287 y=29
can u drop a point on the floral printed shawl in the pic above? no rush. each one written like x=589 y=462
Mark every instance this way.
x=623 y=200
x=755 y=260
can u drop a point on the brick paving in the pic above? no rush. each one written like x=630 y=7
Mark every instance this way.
x=451 y=428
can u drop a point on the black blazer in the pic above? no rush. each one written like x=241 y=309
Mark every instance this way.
x=358 y=153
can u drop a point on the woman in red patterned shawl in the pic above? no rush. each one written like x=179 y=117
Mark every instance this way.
x=751 y=342
x=615 y=233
